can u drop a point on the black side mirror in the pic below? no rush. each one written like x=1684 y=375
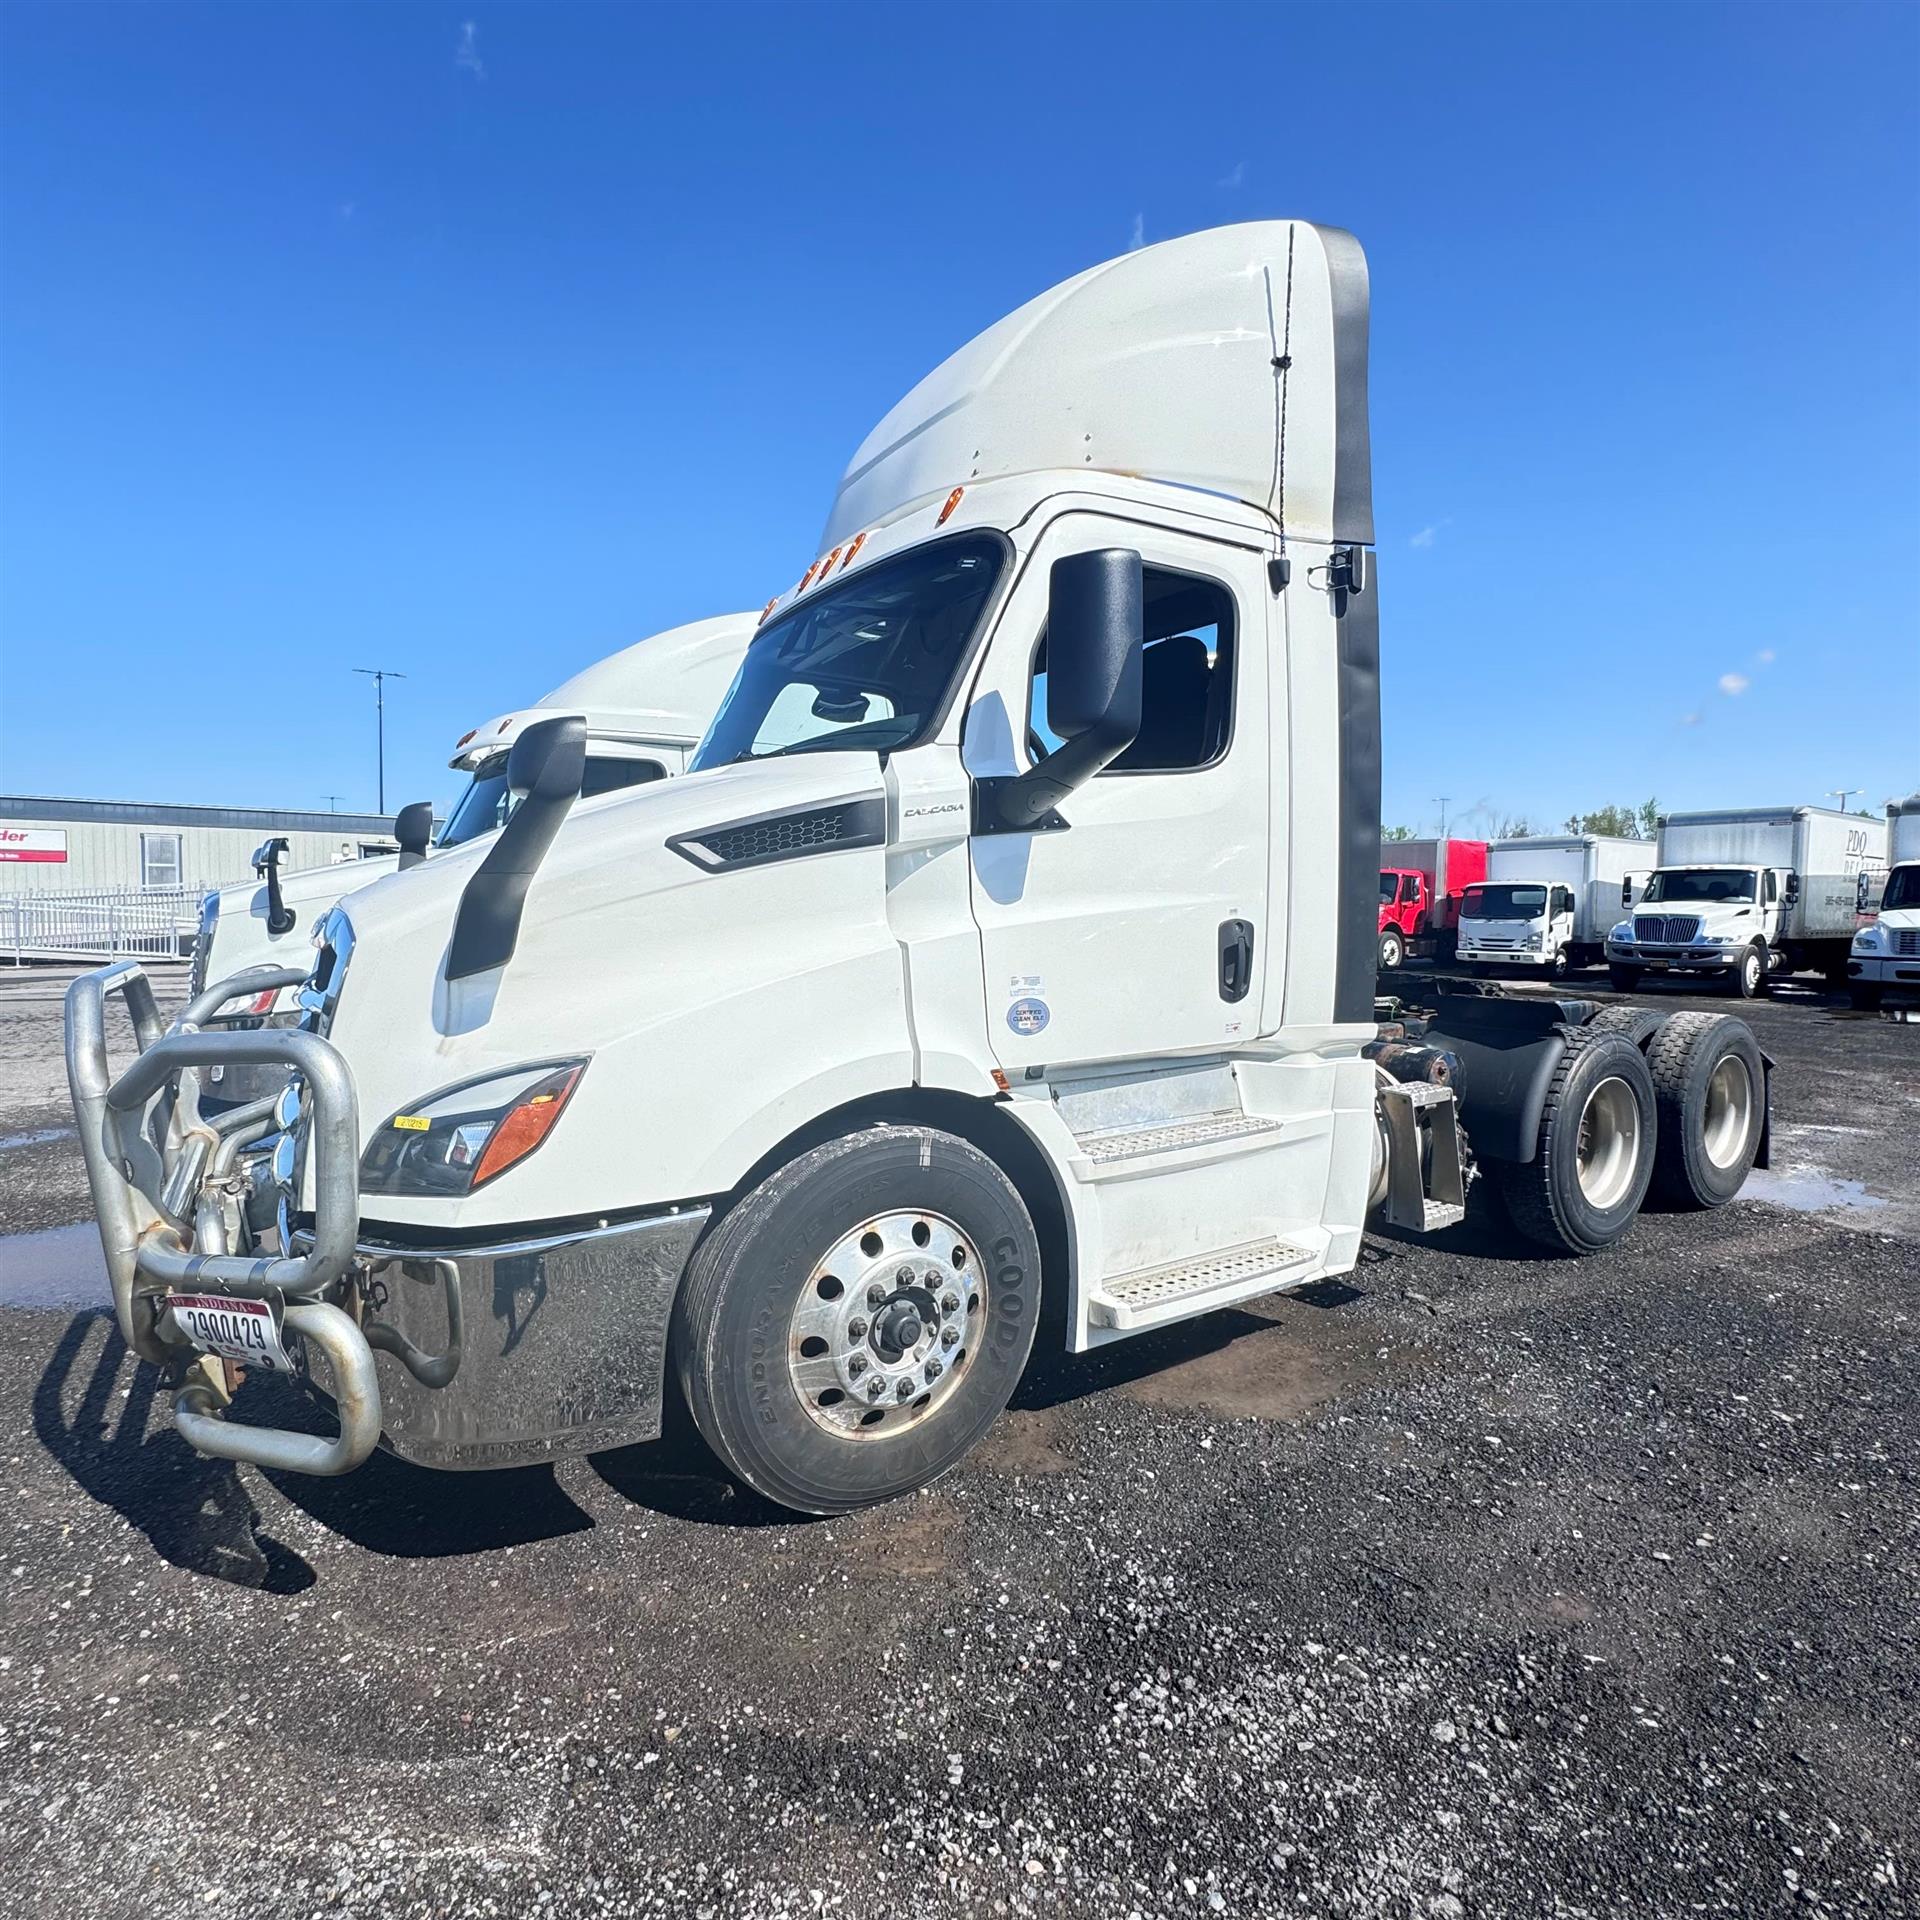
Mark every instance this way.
x=546 y=768
x=413 y=828
x=1095 y=623
x=266 y=863
x=1626 y=893
x=1790 y=890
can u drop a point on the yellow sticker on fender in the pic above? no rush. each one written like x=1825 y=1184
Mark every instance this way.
x=412 y=1122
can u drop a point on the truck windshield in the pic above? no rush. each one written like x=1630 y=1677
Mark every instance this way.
x=1504 y=903
x=487 y=800
x=1903 y=888
x=868 y=663
x=1702 y=884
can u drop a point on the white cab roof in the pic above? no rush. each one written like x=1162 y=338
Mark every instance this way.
x=664 y=688
x=1165 y=363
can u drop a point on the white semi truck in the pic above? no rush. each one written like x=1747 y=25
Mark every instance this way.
x=1747 y=895
x=1006 y=958
x=645 y=708
x=1886 y=953
x=1547 y=902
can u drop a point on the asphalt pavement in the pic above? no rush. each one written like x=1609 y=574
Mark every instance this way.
x=1474 y=1584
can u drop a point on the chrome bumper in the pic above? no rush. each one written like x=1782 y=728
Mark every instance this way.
x=488 y=1355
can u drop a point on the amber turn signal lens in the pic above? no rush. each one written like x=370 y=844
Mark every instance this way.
x=525 y=1124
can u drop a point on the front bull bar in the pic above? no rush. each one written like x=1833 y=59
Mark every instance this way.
x=161 y=1226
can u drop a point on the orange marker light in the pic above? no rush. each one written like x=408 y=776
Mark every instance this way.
x=946 y=512
x=826 y=566
x=464 y=738
x=526 y=1125
x=767 y=609
x=854 y=545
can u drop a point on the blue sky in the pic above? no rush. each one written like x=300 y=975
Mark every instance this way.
x=475 y=341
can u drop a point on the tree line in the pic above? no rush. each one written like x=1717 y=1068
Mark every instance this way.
x=1620 y=823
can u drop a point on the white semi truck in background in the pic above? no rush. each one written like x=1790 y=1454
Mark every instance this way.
x=1885 y=960
x=645 y=708
x=1547 y=902
x=1005 y=958
x=1747 y=895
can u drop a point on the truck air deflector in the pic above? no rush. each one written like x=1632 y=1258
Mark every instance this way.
x=1165 y=363
x=788 y=834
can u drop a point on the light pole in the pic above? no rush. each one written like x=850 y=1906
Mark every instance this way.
x=1440 y=800
x=1843 y=794
x=380 y=676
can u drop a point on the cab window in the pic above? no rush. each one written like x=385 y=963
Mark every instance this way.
x=1186 y=678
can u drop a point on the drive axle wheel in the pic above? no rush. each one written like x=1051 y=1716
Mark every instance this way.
x=1709 y=1085
x=852 y=1327
x=1594 y=1158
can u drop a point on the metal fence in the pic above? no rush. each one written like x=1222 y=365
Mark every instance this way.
x=156 y=924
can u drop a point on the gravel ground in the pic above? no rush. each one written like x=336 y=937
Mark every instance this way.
x=1473 y=1585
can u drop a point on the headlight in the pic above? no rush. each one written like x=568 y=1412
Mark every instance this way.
x=1866 y=940
x=470 y=1134
x=1535 y=941
x=1622 y=932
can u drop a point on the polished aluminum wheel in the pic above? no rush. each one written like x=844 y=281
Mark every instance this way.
x=1609 y=1150
x=1727 y=1120
x=887 y=1324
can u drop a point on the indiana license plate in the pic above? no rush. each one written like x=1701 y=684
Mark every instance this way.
x=244 y=1331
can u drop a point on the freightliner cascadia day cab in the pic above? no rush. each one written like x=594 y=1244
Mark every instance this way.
x=1747 y=895
x=1422 y=883
x=816 y=1082
x=645 y=708
x=1885 y=960
x=1547 y=901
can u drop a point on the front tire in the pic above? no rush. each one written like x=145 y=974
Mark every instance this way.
x=1864 y=998
x=1393 y=951
x=1590 y=1172
x=1623 y=979
x=1750 y=977
x=856 y=1323
x=1710 y=1092
x=1559 y=966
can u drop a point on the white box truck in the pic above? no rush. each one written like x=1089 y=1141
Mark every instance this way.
x=1747 y=895
x=645 y=708
x=1547 y=902
x=1006 y=958
x=1885 y=959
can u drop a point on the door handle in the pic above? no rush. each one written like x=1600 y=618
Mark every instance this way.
x=1236 y=959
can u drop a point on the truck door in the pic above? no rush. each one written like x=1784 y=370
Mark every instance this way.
x=1141 y=927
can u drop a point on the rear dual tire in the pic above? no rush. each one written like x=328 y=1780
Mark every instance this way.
x=1709 y=1086
x=778 y=1332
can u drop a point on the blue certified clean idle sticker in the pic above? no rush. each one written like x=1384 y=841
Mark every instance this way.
x=1028 y=1016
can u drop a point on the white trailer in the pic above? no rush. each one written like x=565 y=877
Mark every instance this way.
x=1885 y=958
x=645 y=708
x=819 y=1079
x=1547 y=901
x=1749 y=894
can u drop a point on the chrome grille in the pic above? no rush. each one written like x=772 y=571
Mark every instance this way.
x=1666 y=929
x=1906 y=942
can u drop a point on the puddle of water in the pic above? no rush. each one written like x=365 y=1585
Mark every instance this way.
x=62 y=1267
x=1809 y=1190
x=38 y=1138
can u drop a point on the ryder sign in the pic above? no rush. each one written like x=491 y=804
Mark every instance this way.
x=32 y=843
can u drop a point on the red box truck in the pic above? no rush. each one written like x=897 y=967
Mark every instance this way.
x=1421 y=885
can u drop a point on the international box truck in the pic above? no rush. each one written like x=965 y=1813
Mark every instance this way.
x=645 y=708
x=1885 y=956
x=1005 y=960
x=1547 y=902
x=1422 y=883
x=1747 y=895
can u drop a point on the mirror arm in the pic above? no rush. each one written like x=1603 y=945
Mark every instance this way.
x=266 y=863
x=1027 y=802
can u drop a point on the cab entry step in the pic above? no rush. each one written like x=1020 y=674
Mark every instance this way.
x=1153 y=1294
x=1175 y=1137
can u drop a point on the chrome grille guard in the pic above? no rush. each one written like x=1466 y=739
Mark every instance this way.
x=160 y=1172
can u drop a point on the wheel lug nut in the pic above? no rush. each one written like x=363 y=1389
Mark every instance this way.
x=876 y=1295
x=856 y=1329
x=904 y=1391
x=934 y=1369
x=949 y=1303
x=876 y=1387
x=904 y=1278
x=857 y=1365
x=949 y=1339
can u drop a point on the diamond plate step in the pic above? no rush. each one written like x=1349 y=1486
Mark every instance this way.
x=1205 y=1136
x=1154 y=1294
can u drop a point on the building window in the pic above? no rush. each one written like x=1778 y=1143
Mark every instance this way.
x=159 y=859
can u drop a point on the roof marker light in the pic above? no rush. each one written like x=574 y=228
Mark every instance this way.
x=853 y=546
x=946 y=512
x=464 y=738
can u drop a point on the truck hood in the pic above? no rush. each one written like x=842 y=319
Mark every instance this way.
x=239 y=937
x=662 y=971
